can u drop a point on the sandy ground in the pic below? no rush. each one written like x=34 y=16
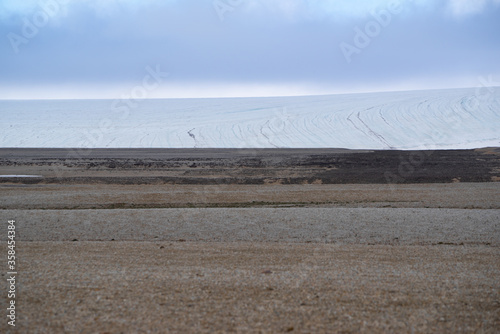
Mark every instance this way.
x=269 y=258
x=147 y=287
x=110 y=196
x=257 y=270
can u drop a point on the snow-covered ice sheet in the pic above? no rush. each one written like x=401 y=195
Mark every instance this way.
x=435 y=119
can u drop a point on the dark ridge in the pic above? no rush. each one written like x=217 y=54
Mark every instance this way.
x=263 y=166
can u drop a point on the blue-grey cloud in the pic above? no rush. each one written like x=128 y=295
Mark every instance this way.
x=89 y=42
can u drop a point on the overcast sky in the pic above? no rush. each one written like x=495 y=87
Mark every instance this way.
x=96 y=48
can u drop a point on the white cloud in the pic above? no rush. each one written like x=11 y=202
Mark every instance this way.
x=297 y=9
x=359 y=8
x=314 y=8
x=287 y=8
x=28 y=7
x=461 y=8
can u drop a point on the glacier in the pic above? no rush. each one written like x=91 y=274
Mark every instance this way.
x=432 y=119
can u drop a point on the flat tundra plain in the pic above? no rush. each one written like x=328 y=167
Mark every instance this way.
x=254 y=241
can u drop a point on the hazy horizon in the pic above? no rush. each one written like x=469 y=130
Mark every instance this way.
x=111 y=98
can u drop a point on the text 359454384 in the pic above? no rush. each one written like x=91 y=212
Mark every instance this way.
x=11 y=273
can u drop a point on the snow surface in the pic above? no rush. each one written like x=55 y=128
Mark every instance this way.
x=435 y=119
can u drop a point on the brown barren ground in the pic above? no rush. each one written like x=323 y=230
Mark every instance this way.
x=253 y=241
x=141 y=287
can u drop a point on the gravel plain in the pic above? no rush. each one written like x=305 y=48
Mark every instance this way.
x=381 y=226
x=157 y=257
